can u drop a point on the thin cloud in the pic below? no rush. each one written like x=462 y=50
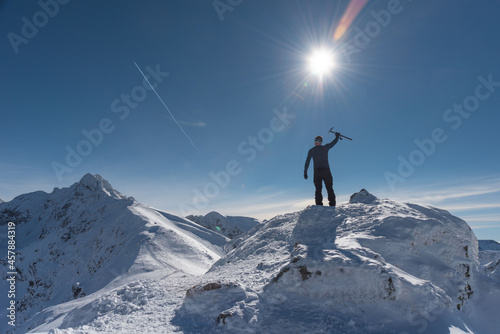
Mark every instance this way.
x=436 y=193
x=456 y=192
x=260 y=206
x=471 y=206
x=198 y=124
x=482 y=227
x=483 y=218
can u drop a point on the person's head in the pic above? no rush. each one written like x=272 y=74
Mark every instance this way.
x=318 y=140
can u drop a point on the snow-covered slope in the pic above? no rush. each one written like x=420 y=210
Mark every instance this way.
x=230 y=226
x=489 y=245
x=369 y=266
x=489 y=258
x=77 y=240
x=92 y=260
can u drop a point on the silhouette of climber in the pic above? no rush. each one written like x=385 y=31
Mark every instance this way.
x=322 y=173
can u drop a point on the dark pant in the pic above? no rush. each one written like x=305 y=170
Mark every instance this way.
x=324 y=175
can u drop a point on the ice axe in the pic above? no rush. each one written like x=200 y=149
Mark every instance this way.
x=341 y=136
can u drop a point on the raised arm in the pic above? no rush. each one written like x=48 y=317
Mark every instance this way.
x=332 y=144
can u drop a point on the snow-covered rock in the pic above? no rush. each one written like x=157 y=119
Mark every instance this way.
x=363 y=196
x=75 y=241
x=369 y=266
x=230 y=226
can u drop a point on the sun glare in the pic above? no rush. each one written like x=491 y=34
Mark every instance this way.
x=321 y=62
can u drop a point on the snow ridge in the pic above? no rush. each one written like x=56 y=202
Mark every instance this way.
x=75 y=241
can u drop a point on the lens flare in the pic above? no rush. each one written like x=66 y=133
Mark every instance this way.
x=350 y=14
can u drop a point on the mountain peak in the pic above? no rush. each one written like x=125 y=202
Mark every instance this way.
x=363 y=196
x=98 y=183
x=230 y=226
x=92 y=180
x=77 y=240
x=215 y=215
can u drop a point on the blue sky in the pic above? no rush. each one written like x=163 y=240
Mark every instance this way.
x=238 y=84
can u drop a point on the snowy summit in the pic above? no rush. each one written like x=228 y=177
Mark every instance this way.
x=369 y=266
x=91 y=260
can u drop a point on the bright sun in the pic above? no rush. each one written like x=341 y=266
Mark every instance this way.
x=322 y=61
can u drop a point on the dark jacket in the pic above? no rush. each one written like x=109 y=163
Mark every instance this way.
x=319 y=154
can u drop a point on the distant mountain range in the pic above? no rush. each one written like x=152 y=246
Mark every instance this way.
x=230 y=226
x=489 y=245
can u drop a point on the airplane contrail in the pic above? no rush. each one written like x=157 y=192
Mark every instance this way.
x=154 y=90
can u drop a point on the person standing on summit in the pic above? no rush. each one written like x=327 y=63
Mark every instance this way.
x=322 y=173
